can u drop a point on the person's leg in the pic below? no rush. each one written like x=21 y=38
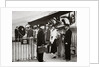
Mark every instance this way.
x=40 y=57
x=31 y=49
x=69 y=54
x=35 y=51
x=54 y=55
x=51 y=48
x=59 y=51
x=66 y=52
x=48 y=49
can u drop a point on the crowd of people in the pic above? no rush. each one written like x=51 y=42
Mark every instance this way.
x=52 y=39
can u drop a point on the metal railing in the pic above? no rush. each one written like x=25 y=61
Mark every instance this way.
x=23 y=49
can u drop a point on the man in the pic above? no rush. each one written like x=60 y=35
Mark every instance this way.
x=16 y=33
x=35 y=32
x=30 y=46
x=47 y=35
x=40 y=43
x=30 y=32
x=67 y=42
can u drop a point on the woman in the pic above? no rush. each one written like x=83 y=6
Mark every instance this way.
x=60 y=44
x=53 y=40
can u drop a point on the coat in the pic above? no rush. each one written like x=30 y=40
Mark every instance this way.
x=30 y=33
x=40 y=38
x=48 y=35
x=67 y=40
x=16 y=33
x=68 y=35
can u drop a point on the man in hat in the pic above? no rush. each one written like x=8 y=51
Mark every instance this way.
x=47 y=36
x=30 y=38
x=40 y=43
x=30 y=32
x=67 y=42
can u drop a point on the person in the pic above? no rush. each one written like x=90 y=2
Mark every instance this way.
x=60 y=49
x=16 y=33
x=40 y=43
x=21 y=32
x=30 y=32
x=35 y=31
x=48 y=39
x=67 y=42
x=53 y=40
x=30 y=38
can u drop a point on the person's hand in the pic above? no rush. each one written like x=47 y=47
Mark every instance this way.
x=66 y=43
x=51 y=37
x=31 y=37
x=45 y=46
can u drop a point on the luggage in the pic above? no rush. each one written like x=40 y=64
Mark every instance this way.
x=42 y=49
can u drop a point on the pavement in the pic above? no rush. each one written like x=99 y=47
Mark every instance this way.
x=49 y=58
x=21 y=53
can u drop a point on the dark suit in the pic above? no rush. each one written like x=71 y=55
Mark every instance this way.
x=40 y=42
x=67 y=40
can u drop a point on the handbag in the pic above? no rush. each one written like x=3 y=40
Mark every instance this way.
x=42 y=49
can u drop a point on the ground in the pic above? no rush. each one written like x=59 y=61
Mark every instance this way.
x=48 y=58
x=21 y=53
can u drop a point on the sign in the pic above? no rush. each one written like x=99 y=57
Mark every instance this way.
x=25 y=41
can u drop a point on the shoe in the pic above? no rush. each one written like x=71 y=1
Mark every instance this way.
x=54 y=57
x=44 y=61
x=67 y=60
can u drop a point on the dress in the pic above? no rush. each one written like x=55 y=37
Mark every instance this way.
x=54 y=46
x=59 y=43
x=53 y=40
